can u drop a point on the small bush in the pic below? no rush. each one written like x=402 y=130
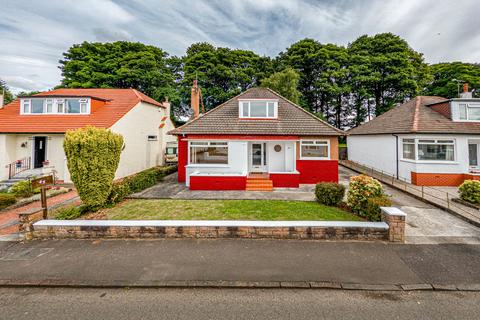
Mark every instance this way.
x=23 y=189
x=6 y=200
x=470 y=191
x=148 y=178
x=372 y=210
x=329 y=193
x=120 y=190
x=68 y=213
x=361 y=189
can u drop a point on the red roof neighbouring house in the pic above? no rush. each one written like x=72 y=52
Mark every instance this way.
x=108 y=106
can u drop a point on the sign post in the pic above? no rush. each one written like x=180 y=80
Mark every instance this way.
x=43 y=182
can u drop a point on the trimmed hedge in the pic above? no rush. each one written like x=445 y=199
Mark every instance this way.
x=329 y=193
x=93 y=155
x=470 y=191
x=68 y=213
x=6 y=200
x=372 y=210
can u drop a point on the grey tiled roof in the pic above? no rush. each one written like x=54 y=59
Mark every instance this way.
x=415 y=116
x=292 y=119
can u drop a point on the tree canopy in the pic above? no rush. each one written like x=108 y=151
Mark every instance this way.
x=7 y=95
x=448 y=78
x=284 y=82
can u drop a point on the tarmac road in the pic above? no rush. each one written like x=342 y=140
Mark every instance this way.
x=118 y=304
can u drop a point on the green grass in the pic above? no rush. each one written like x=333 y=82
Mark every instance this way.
x=225 y=210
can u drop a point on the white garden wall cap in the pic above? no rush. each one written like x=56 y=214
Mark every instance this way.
x=209 y=223
x=393 y=211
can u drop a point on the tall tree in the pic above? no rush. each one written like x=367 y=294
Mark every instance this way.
x=221 y=72
x=284 y=82
x=448 y=77
x=118 y=64
x=391 y=71
x=7 y=95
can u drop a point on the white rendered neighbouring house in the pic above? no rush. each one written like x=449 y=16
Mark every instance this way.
x=428 y=141
x=257 y=140
x=32 y=129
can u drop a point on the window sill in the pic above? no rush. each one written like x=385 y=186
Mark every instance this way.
x=207 y=166
x=429 y=161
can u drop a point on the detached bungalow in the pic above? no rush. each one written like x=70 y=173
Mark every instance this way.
x=32 y=129
x=255 y=141
x=429 y=141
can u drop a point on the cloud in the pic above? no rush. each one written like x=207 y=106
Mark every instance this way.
x=34 y=34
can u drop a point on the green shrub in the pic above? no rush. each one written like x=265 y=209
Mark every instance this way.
x=361 y=189
x=22 y=189
x=6 y=200
x=148 y=178
x=68 y=213
x=329 y=193
x=120 y=190
x=470 y=191
x=372 y=210
x=93 y=155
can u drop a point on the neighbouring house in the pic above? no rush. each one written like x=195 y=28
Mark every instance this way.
x=428 y=141
x=255 y=141
x=32 y=129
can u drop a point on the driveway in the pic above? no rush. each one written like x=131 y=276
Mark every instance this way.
x=171 y=189
x=426 y=224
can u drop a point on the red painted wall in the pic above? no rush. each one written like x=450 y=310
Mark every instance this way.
x=282 y=180
x=217 y=183
x=182 y=158
x=314 y=171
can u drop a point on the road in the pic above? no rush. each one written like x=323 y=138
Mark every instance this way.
x=118 y=304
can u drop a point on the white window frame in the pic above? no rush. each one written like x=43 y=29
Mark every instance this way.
x=468 y=106
x=241 y=105
x=85 y=104
x=413 y=142
x=435 y=141
x=207 y=144
x=315 y=142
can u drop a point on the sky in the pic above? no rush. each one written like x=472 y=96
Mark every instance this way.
x=35 y=33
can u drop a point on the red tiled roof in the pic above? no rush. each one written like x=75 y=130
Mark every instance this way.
x=113 y=105
x=416 y=116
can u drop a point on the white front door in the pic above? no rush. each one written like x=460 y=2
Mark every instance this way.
x=259 y=157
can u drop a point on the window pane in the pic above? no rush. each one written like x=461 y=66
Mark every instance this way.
x=408 y=151
x=314 y=151
x=463 y=111
x=258 y=109
x=308 y=142
x=49 y=106
x=436 y=152
x=408 y=140
x=472 y=155
x=73 y=106
x=26 y=107
x=245 y=109
x=473 y=113
x=271 y=112
x=209 y=155
x=83 y=107
x=37 y=105
x=60 y=107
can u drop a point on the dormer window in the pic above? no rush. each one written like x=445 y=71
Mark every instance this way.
x=39 y=105
x=258 y=109
x=469 y=111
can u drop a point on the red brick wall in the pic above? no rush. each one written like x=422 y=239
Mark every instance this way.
x=438 y=179
x=443 y=108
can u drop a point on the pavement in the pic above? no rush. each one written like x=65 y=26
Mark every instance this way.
x=425 y=223
x=240 y=263
x=203 y=304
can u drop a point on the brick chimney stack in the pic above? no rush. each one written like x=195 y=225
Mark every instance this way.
x=465 y=87
x=466 y=94
x=195 y=100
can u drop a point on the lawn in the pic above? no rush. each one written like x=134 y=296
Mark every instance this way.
x=225 y=210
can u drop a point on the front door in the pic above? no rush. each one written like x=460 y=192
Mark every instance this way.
x=39 y=151
x=259 y=157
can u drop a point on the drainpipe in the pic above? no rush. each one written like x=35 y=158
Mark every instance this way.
x=396 y=152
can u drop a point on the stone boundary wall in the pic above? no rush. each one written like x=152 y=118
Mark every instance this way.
x=390 y=230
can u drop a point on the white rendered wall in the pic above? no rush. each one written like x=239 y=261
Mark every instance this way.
x=376 y=151
x=237 y=162
x=275 y=160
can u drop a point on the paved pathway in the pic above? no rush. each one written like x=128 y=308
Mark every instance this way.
x=150 y=262
x=9 y=218
x=425 y=223
x=171 y=189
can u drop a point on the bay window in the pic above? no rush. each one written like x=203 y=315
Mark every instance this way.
x=208 y=152
x=258 y=109
x=428 y=149
x=314 y=149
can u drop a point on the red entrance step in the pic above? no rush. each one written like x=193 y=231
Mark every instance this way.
x=259 y=182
